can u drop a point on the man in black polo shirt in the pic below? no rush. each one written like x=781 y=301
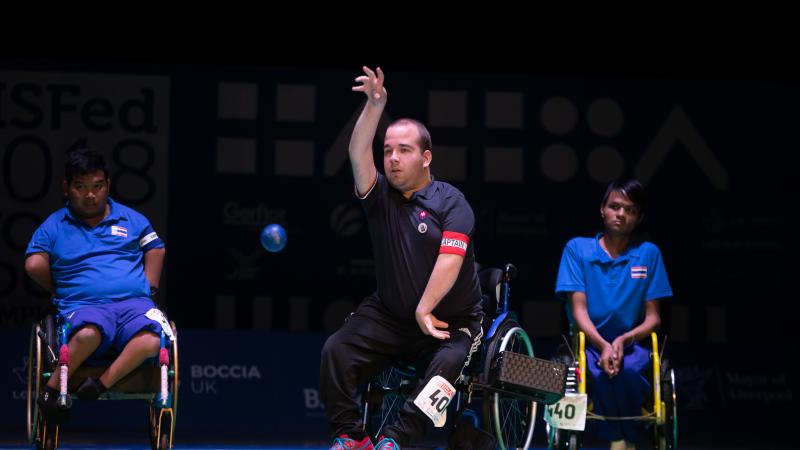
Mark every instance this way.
x=427 y=305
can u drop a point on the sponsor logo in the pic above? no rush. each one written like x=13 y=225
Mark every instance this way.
x=225 y=371
x=258 y=215
x=204 y=377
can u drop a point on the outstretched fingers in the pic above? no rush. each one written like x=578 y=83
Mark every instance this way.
x=371 y=83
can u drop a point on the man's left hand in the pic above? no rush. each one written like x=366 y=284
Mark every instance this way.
x=430 y=325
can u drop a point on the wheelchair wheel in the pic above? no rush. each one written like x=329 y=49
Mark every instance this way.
x=174 y=381
x=386 y=397
x=511 y=419
x=563 y=439
x=46 y=436
x=34 y=375
x=161 y=421
x=666 y=434
x=41 y=359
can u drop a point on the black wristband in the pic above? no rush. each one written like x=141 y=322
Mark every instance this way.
x=153 y=291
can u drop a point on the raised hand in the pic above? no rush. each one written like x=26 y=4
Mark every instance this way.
x=372 y=85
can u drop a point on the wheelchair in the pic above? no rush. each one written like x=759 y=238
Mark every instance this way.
x=508 y=416
x=659 y=411
x=155 y=381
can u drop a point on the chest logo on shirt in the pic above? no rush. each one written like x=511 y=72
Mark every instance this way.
x=638 y=271
x=422 y=215
x=422 y=228
x=119 y=231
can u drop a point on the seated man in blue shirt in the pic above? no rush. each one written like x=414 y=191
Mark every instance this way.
x=613 y=284
x=101 y=261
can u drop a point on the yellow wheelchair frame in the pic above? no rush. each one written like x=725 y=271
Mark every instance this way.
x=664 y=411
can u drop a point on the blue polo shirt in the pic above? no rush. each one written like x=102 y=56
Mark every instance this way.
x=92 y=266
x=407 y=238
x=616 y=289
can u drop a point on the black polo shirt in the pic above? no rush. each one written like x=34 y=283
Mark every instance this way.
x=407 y=238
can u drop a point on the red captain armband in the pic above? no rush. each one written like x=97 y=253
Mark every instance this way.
x=454 y=243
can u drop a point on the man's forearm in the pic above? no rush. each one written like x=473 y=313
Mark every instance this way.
x=153 y=263
x=642 y=331
x=37 y=266
x=360 y=149
x=444 y=275
x=592 y=335
x=44 y=280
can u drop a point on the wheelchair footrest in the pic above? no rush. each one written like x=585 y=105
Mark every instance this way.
x=538 y=378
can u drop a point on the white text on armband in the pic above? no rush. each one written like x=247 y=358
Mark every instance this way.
x=148 y=239
x=455 y=243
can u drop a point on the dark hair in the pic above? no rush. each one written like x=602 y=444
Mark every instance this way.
x=424 y=134
x=83 y=160
x=632 y=189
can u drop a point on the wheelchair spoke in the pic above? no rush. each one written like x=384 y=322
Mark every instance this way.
x=514 y=421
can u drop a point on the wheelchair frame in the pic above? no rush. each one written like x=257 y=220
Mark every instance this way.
x=47 y=337
x=509 y=416
x=663 y=417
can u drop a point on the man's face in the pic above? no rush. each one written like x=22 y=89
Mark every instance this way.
x=619 y=214
x=88 y=194
x=403 y=160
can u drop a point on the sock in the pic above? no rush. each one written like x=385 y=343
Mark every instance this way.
x=90 y=389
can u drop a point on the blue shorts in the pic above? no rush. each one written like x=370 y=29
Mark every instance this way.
x=621 y=396
x=118 y=322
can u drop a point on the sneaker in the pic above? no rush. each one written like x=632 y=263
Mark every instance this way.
x=90 y=389
x=387 y=444
x=48 y=405
x=344 y=442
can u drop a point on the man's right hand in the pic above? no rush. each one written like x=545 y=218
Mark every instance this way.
x=372 y=86
x=609 y=361
x=360 y=148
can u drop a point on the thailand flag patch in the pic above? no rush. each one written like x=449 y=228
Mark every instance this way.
x=638 y=271
x=119 y=231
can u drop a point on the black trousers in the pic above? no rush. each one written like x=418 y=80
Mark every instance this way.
x=371 y=340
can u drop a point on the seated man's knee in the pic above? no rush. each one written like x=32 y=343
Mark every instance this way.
x=455 y=359
x=149 y=342
x=87 y=335
x=333 y=346
x=629 y=377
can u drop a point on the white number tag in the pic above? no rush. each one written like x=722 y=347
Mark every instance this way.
x=156 y=315
x=569 y=413
x=434 y=398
